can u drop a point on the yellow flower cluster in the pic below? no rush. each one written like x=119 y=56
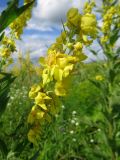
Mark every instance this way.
x=8 y=47
x=58 y=65
x=88 y=7
x=84 y=26
x=42 y=110
x=18 y=25
x=99 y=78
x=107 y=22
x=89 y=24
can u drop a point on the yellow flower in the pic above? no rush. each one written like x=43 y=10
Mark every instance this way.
x=34 y=134
x=57 y=73
x=88 y=7
x=35 y=114
x=73 y=17
x=78 y=46
x=59 y=89
x=99 y=78
x=34 y=90
x=70 y=45
x=89 y=24
x=46 y=75
x=58 y=66
x=5 y=52
x=67 y=70
x=104 y=39
x=40 y=100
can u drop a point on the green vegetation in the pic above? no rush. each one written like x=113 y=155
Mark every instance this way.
x=73 y=113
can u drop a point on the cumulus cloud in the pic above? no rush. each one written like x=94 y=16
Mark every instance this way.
x=47 y=16
x=34 y=44
x=49 y=13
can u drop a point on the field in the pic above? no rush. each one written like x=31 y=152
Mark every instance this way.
x=74 y=132
x=62 y=106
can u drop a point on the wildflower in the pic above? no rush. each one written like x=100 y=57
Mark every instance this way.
x=99 y=78
x=74 y=112
x=92 y=140
x=12 y=98
x=88 y=7
x=99 y=130
x=18 y=25
x=89 y=24
x=74 y=139
x=63 y=107
x=78 y=46
x=5 y=52
x=76 y=123
x=35 y=114
x=40 y=100
x=107 y=22
x=73 y=17
x=71 y=132
x=34 y=90
x=104 y=39
x=33 y=135
x=58 y=66
x=56 y=115
x=59 y=89
x=69 y=45
x=73 y=121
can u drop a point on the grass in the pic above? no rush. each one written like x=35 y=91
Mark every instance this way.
x=73 y=134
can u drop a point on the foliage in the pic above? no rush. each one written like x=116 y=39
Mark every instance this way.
x=6 y=79
x=75 y=106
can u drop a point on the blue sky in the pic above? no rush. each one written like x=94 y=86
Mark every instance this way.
x=45 y=24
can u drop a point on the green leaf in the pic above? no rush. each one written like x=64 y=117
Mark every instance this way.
x=11 y=13
x=94 y=52
x=97 y=84
x=1 y=36
x=118 y=50
x=5 y=83
x=3 y=148
x=114 y=36
x=35 y=157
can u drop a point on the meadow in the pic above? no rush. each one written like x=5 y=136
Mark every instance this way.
x=65 y=137
x=62 y=108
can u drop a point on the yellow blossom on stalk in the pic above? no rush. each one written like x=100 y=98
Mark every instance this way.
x=58 y=66
x=34 y=134
x=34 y=90
x=39 y=96
x=73 y=17
x=99 y=78
x=5 y=52
x=35 y=114
x=60 y=61
x=107 y=22
x=18 y=25
x=70 y=45
x=59 y=89
x=8 y=47
x=88 y=7
x=104 y=39
x=78 y=46
x=40 y=100
x=89 y=24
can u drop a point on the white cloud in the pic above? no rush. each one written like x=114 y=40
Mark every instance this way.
x=36 y=45
x=48 y=13
x=47 y=16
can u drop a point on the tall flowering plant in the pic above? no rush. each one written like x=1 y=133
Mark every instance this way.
x=62 y=60
x=59 y=65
